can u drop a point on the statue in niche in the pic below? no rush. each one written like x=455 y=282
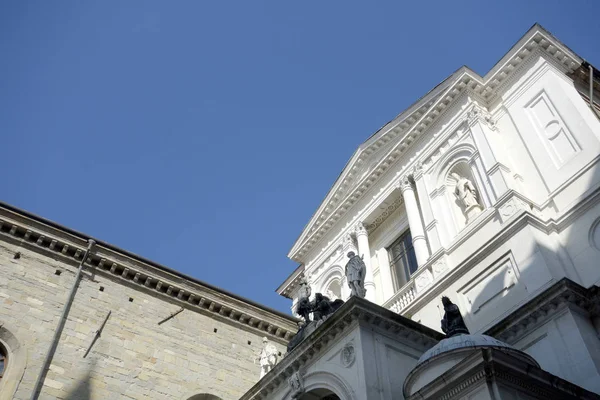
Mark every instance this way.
x=304 y=307
x=267 y=357
x=466 y=194
x=452 y=323
x=355 y=275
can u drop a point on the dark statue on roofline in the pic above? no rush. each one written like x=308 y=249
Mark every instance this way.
x=452 y=323
x=321 y=308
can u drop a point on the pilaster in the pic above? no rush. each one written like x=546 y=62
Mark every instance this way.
x=431 y=228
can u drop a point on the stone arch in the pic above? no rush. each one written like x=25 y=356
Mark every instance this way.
x=594 y=234
x=319 y=394
x=16 y=363
x=317 y=381
x=202 y=396
x=463 y=152
x=333 y=280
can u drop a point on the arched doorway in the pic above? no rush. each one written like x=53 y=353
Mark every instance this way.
x=320 y=394
x=204 y=396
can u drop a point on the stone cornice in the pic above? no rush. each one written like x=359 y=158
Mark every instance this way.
x=68 y=246
x=287 y=288
x=564 y=293
x=354 y=312
x=410 y=126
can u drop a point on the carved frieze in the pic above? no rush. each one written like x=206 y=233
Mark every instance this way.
x=389 y=210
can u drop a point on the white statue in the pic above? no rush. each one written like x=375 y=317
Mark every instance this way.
x=267 y=357
x=466 y=194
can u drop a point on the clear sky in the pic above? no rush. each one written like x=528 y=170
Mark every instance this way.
x=204 y=134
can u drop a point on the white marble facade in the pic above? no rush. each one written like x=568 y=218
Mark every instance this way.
x=497 y=180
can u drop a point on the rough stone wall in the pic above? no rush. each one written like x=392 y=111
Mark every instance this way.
x=135 y=358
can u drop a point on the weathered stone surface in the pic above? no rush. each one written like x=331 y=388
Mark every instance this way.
x=134 y=358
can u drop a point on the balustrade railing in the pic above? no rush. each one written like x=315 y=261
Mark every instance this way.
x=402 y=298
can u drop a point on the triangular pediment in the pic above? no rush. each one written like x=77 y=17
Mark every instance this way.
x=388 y=144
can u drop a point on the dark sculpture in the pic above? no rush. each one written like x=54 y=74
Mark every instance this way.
x=297 y=338
x=304 y=308
x=452 y=323
x=321 y=308
x=355 y=274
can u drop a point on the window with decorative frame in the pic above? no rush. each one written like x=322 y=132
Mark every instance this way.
x=403 y=260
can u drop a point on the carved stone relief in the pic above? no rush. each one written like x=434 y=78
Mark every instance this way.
x=477 y=114
x=348 y=355
x=439 y=268
x=423 y=280
x=296 y=385
x=511 y=207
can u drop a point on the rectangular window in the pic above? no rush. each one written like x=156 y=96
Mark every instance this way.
x=402 y=259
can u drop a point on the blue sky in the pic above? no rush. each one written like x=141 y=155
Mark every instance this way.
x=204 y=134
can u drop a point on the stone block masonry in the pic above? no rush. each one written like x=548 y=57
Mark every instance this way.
x=197 y=351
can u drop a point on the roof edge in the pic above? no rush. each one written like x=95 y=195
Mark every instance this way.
x=84 y=238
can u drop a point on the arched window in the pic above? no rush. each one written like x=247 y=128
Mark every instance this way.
x=3 y=360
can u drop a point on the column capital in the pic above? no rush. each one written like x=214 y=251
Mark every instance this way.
x=476 y=114
x=417 y=171
x=404 y=183
x=360 y=230
x=347 y=243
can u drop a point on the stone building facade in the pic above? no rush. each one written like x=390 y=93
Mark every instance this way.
x=167 y=336
x=487 y=191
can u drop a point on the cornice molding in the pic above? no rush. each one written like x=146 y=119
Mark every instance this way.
x=124 y=269
x=413 y=125
x=534 y=313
